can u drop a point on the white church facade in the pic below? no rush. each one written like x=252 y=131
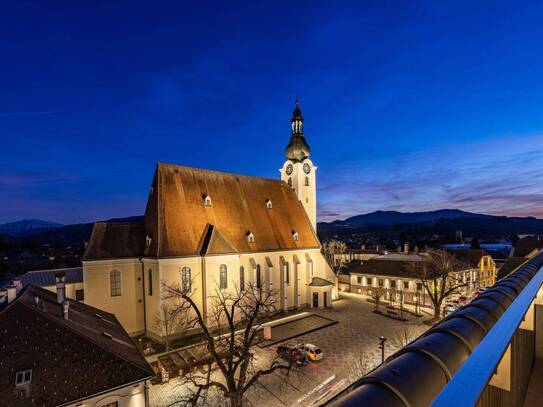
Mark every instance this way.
x=211 y=231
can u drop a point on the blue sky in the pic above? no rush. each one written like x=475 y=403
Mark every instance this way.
x=408 y=105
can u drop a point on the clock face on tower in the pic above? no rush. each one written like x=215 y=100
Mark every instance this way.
x=307 y=168
x=289 y=169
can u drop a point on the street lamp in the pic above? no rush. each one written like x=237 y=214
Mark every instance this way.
x=382 y=341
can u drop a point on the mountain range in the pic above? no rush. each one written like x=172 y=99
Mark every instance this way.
x=439 y=221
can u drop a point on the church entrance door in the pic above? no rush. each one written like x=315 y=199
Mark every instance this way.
x=315 y=300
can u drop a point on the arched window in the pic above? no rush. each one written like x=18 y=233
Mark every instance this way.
x=186 y=279
x=150 y=279
x=287 y=274
x=295 y=235
x=241 y=278
x=207 y=201
x=258 y=277
x=306 y=181
x=289 y=181
x=115 y=283
x=268 y=204
x=250 y=237
x=223 y=277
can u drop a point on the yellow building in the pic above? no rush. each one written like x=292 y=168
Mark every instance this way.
x=213 y=231
x=480 y=260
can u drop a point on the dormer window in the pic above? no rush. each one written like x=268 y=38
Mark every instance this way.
x=250 y=237
x=268 y=204
x=294 y=235
x=207 y=201
x=148 y=241
x=23 y=377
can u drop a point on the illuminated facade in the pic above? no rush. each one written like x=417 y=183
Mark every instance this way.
x=214 y=231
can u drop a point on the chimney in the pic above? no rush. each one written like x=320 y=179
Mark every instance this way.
x=65 y=306
x=406 y=248
x=17 y=283
x=12 y=293
x=60 y=279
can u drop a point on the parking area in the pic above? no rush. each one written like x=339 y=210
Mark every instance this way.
x=350 y=347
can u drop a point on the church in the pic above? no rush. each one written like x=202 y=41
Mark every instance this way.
x=210 y=230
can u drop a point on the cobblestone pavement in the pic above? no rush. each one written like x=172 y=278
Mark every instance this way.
x=350 y=348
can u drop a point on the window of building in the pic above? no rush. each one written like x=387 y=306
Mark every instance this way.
x=287 y=274
x=148 y=241
x=115 y=283
x=289 y=181
x=112 y=404
x=80 y=295
x=268 y=204
x=419 y=286
x=258 y=278
x=150 y=279
x=223 y=277
x=186 y=279
x=207 y=201
x=241 y=278
x=359 y=279
x=250 y=237
x=23 y=377
x=393 y=284
x=380 y=282
x=306 y=181
x=295 y=235
x=406 y=285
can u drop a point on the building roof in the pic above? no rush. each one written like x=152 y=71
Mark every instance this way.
x=178 y=223
x=115 y=240
x=320 y=282
x=382 y=267
x=71 y=359
x=44 y=278
x=297 y=148
x=510 y=265
x=527 y=245
x=470 y=257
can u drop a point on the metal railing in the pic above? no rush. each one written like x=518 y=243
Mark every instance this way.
x=469 y=382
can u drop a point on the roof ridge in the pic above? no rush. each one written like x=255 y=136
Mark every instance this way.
x=171 y=165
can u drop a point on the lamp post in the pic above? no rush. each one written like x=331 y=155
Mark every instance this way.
x=382 y=341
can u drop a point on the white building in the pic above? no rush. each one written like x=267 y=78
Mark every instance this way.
x=213 y=231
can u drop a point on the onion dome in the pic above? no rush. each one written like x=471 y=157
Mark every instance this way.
x=297 y=149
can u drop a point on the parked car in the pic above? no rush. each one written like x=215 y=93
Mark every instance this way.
x=292 y=355
x=313 y=352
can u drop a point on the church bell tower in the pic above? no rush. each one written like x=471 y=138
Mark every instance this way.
x=298 y=171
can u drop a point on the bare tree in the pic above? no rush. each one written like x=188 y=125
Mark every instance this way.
x=440 y=277
x=230 y=329
x=167 y=321
x=334 y=251
x=376 y=294
x=404 y=336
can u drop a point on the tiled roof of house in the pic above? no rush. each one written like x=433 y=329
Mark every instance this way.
x=381 y=267
x=44 y=278
x=115 y=240
x=177 y=220
x=71 y=359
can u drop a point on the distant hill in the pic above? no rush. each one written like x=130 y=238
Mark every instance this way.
x=442 y=221
x=27 y=227
x=48 y=231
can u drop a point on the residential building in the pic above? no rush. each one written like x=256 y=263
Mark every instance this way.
x=59 y=352
x=480 y=261
x=46 y=279
x=208 y=231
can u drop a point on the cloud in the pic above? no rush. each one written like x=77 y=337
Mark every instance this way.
x=499 y=177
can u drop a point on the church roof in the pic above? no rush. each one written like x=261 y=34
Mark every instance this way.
x=179 y=223
x=110 y=240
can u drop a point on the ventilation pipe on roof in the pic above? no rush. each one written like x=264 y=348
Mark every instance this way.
x=17 y=283
x=65 y=307
x=60 y=279
x=406 y=248
x=12 y=293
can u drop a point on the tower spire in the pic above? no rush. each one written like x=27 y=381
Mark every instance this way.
x=297 y=149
